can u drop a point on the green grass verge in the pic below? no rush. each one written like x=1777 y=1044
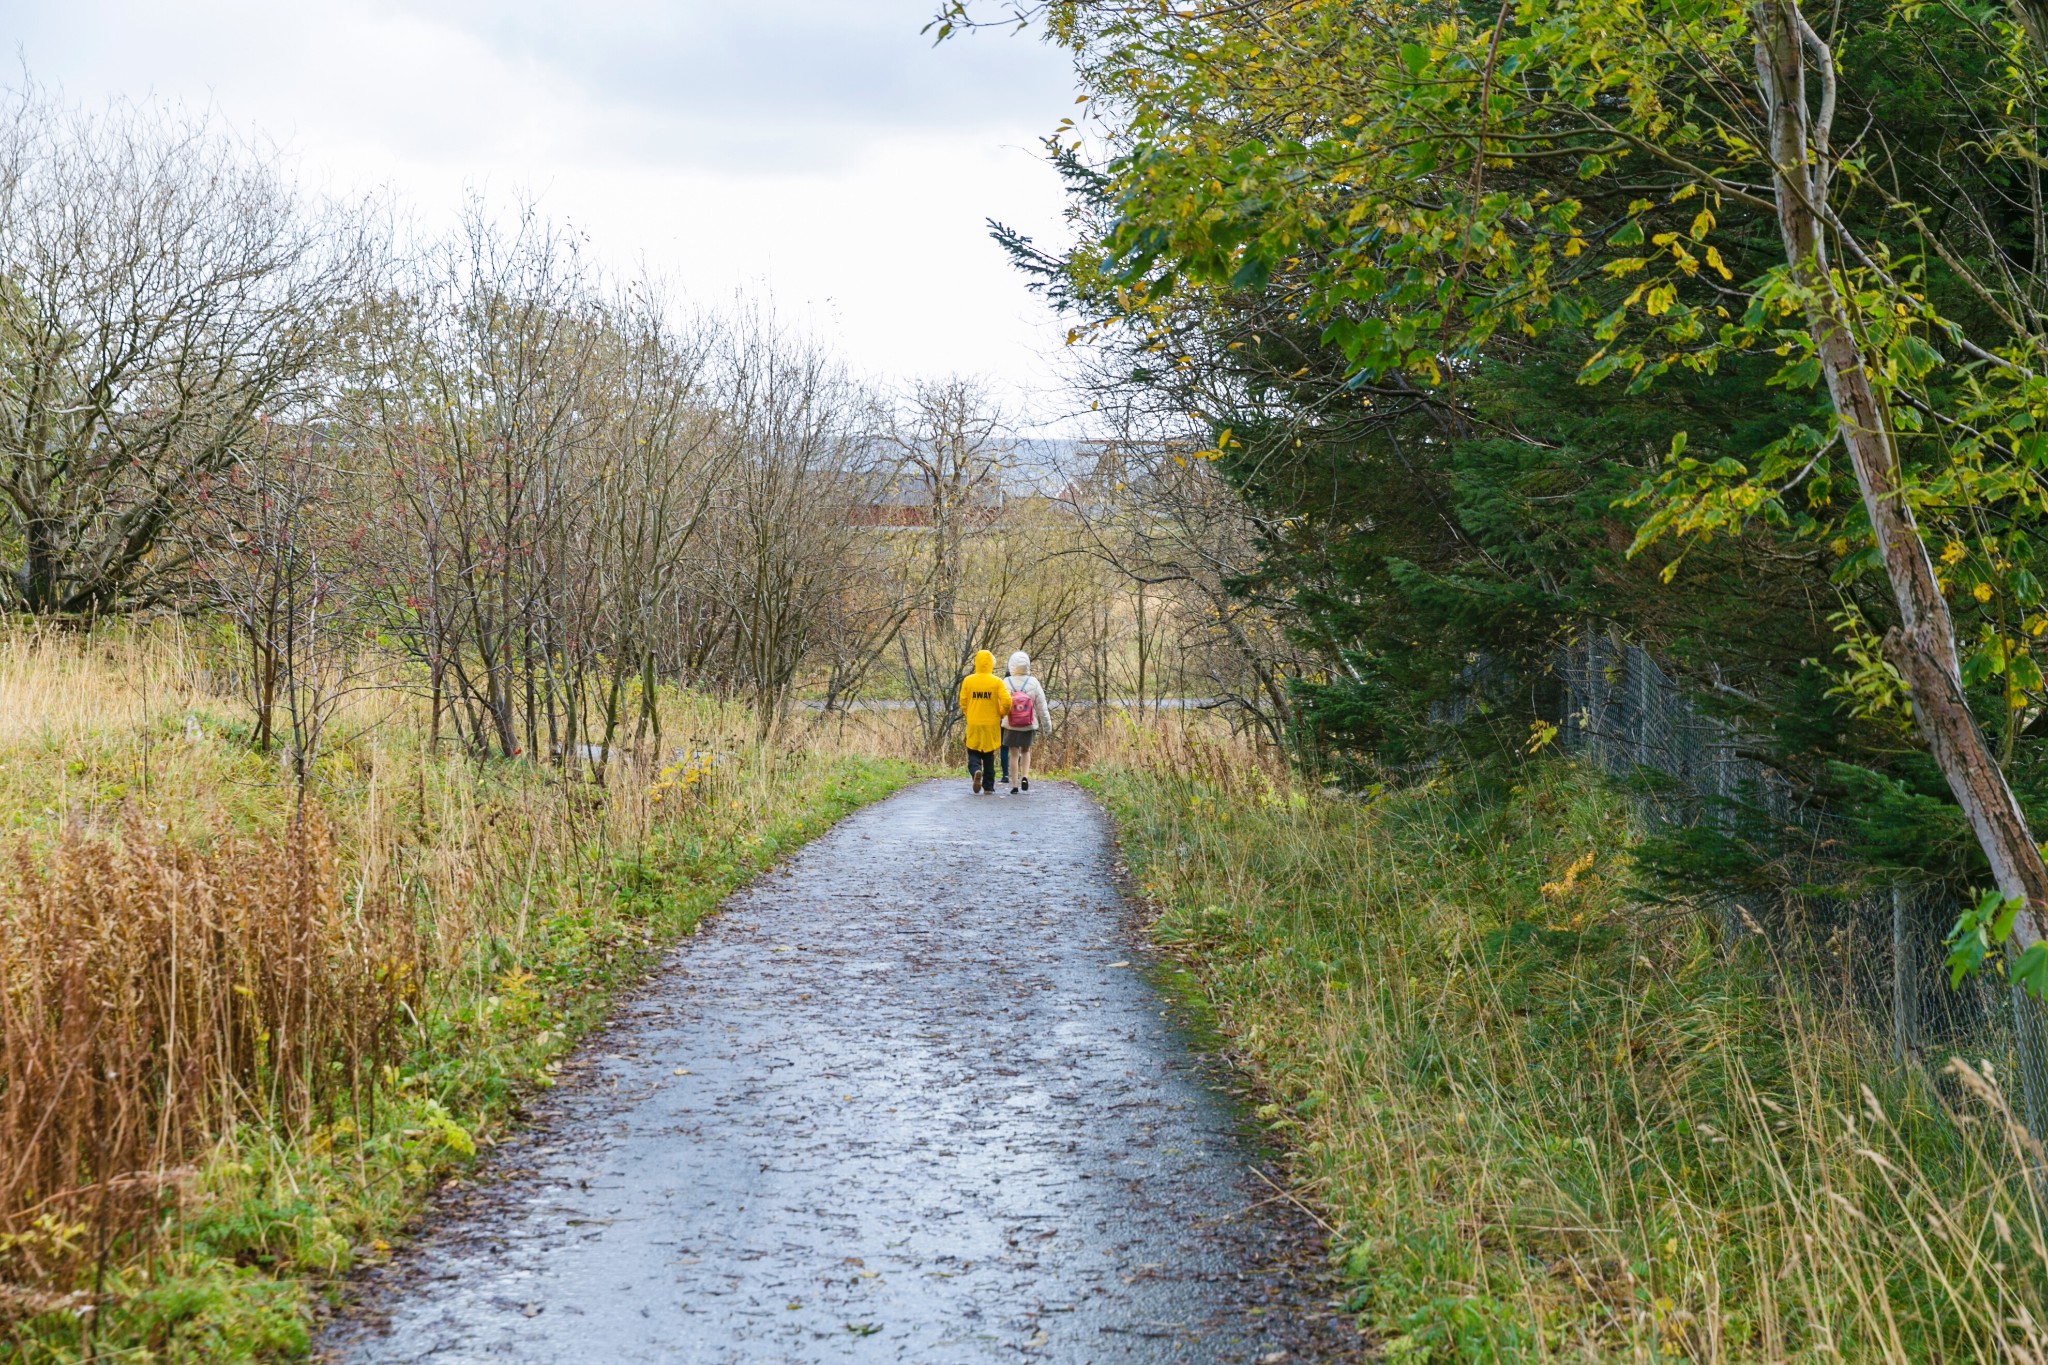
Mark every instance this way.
x=1550 y=1124
x=267 y=1223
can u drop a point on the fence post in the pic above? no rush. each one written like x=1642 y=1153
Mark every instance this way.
x=1905 y=979
x=1596 y=704
x=1646 y=720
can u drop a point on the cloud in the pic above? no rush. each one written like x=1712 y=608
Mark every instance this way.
x=788 y=84
x=821 y=149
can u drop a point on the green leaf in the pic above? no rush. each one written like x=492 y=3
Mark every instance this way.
x=2024 y=673
x=2030 y=971
x=1986 y=664
x=1802 y=373
x=1917 y=358
x=2008 y=911
x=1252 y=272
x=1977 y=931
x=1599 y=368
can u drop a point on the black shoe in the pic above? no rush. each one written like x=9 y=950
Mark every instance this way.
x=975 y=778
x=1013 y=791
x=1027 y=784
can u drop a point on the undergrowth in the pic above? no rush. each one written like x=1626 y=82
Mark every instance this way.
x=1550 y=1125
x=378 y=982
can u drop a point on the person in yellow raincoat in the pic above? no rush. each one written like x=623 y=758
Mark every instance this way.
x=984 y=701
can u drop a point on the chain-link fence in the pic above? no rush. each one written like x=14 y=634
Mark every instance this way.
x=1877 y=951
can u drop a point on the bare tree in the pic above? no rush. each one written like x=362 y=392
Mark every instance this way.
x=475 y=398
x=276 y=541
x=975 y=574
x=161 y=291
x=1164 y=520
x=660 y=464
x=787 y=536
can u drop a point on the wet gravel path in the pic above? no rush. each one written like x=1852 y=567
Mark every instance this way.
x=909 y=1097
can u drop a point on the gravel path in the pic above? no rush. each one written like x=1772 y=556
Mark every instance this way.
x=909 y=1097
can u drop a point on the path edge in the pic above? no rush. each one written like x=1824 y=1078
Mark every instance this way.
x=1314 y=1278
x=332 y=1301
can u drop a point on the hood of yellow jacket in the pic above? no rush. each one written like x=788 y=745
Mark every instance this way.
x=984 y=662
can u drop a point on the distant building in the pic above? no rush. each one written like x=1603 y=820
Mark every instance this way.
x=1039 y=469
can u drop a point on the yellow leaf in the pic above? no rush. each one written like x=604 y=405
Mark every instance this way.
x=1563 y=885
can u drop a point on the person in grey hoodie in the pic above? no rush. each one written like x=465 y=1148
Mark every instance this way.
x=1026 y=717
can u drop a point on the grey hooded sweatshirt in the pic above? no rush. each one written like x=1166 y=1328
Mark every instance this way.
x=1021 y=683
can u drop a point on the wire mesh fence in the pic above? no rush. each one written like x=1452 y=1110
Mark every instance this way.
x=1876 y=950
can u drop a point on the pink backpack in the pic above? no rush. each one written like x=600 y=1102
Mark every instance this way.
x=1023 y=711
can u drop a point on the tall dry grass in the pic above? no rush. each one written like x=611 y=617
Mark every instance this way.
x=1551 y=1125
x=57 y=685
x=152 y=995
x=242 y=1026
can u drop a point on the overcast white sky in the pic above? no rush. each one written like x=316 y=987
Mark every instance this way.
x=820 y=148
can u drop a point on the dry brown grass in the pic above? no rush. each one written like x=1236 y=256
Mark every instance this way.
x=58 y=685
x=1197 y=746
x=152 y=995
x=236 y=1042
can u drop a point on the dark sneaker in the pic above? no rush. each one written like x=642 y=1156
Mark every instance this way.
x=975 y=778
x=1027 y=784
x=1013 y=791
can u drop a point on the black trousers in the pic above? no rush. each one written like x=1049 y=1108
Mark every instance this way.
x=985 y=764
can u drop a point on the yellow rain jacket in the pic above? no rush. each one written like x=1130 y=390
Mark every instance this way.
x=984 y=700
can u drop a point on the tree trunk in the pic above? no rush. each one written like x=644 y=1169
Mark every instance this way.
x=1923 y=644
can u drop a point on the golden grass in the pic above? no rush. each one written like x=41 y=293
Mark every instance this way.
x=58 y=685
